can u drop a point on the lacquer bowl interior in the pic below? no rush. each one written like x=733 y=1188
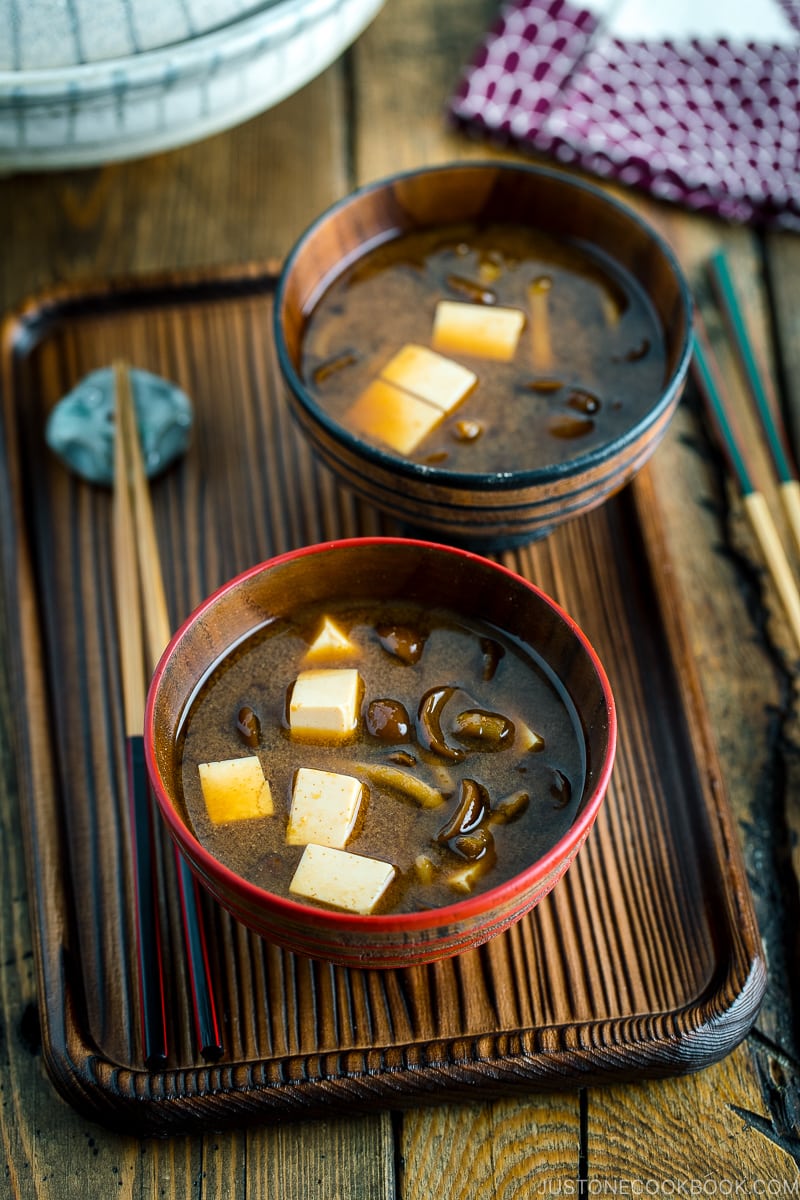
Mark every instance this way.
x=369 y=569
x=503 y=508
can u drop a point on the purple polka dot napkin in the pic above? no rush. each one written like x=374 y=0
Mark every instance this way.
x=708 y=121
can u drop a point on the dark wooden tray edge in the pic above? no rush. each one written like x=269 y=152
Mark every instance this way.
x=358 y=1082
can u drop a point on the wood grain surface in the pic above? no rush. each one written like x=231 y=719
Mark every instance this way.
x=244 y=196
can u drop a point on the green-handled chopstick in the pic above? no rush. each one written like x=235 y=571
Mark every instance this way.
x=757 y=382
x=710 y=381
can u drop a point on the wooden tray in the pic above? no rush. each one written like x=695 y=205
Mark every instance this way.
x=645 y=960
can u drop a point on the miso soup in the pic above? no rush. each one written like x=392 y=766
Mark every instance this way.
x=560 y=351
x=458 y=758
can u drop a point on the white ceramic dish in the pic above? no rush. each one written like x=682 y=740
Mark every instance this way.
x=93 y=111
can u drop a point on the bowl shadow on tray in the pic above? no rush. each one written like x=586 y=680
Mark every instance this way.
x=506 y=503
x=365 y=573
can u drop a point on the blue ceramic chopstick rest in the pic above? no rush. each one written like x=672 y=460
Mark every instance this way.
x=80 y=428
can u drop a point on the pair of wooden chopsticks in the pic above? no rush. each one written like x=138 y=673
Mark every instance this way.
x=144 y=631
x=710 y=380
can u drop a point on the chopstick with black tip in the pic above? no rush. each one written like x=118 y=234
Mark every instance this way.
x=712 y=388
x=131 y=648
x=157 y=632
x=757 y=382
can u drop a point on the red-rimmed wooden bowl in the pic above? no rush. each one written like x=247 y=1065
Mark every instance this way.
x=365 y=569
x=502 y=508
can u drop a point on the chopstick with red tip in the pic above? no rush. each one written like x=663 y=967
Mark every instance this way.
x=713 y=390
x=760 y=390
x=147 y=585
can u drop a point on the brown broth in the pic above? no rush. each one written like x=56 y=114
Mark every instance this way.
x=607 y=351
x=259 y=675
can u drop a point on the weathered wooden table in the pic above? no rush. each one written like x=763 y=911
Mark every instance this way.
x=733 y=1128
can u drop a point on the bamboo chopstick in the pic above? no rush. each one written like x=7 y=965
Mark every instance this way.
x=142 y=547
x=764 y=400
x=154 y=603
x=131 y=646
x=713 y=390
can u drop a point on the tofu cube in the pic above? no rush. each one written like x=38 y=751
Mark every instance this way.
x=324 y=808
x=329 y=643
x=324 y=704
x=235 y=789
x=430 y=377
x=478 y=329
x=526 y=738
x=345 y=880
x=392 y=416
x=465 y=878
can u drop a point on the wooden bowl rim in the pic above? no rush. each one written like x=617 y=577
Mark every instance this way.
x=487 y=481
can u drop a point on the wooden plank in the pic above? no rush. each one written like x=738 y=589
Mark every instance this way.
x=511 y=1148
x=328 y=1160
x=720 y=1150
x=527 y=1148
x=781 y=265
x=405 y=67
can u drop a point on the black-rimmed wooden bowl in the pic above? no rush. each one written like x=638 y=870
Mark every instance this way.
x=502 y=507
